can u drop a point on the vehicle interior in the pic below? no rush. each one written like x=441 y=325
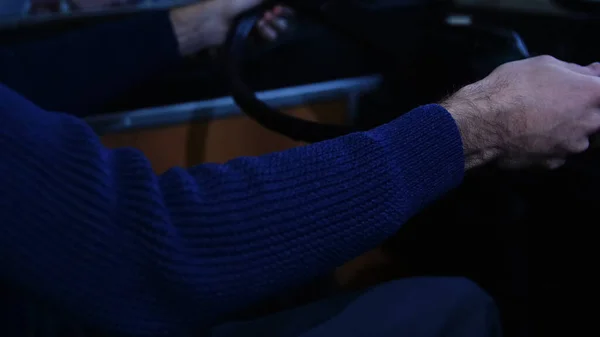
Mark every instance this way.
x=358 y=64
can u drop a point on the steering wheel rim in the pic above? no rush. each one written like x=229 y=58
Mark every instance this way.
x=273 y=119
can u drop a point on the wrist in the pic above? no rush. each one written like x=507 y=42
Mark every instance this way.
x=199 y=26
x=481 y=142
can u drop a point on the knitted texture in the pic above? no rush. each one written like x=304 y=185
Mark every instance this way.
x=98 y=235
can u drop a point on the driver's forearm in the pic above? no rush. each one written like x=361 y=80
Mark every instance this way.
x=83 y=224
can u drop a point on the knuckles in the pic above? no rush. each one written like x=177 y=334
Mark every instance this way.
x=545 y=59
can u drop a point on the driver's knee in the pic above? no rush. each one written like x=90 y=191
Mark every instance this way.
x=423 y=307
x=435 y=306
x=446 y=291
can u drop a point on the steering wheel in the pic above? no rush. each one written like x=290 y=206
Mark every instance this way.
x=316 y=11
x=273 y=119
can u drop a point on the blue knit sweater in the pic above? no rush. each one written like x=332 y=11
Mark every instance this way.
x=91 y=237
x=97 y=236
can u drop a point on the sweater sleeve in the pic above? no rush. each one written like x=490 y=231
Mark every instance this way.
x=96 y=231
x=79 y=71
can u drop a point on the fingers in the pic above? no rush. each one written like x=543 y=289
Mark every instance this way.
x=591 y=70
x=554 y=163
x=515 y=164
x=579 y=69
x=274 y=22
x=283 y=11
x=277 y=21
x=266 y=31
x=551 y=163
x=578 y=146
x=592 y=123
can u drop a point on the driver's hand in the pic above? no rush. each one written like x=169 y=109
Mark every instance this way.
x=205 y=24
x=532 y=112
x=269 y=27
x=274 y=22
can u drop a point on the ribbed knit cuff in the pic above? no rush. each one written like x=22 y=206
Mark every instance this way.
x=427 y=141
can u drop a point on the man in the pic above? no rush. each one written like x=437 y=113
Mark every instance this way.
x=92 y=237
